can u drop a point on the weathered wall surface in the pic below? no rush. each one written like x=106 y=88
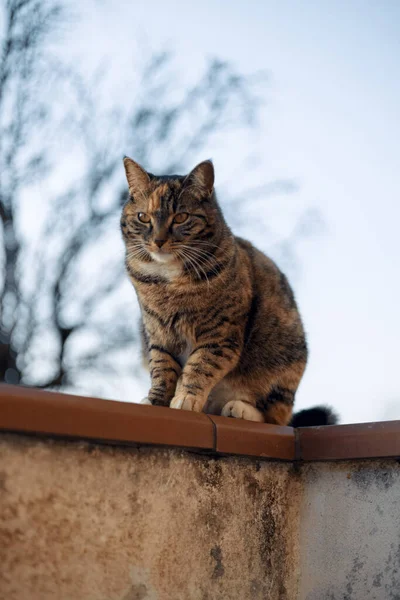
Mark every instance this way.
x=350 y=531
x=87 y=522
x=80 y=521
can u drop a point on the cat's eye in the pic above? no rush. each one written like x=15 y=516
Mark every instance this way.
x=181 y=218
x=143 y=218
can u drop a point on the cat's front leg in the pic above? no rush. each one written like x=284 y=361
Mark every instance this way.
x=164 y=371
x=206 y=366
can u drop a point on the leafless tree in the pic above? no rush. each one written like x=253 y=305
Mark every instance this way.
x=67 y=317
x=26 y=26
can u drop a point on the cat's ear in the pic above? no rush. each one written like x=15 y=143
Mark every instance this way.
x=202 y=177
x=138 y=179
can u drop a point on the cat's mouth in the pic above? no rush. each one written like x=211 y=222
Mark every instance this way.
x=163 y=256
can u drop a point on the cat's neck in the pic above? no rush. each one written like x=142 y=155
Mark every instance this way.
x=171 y=271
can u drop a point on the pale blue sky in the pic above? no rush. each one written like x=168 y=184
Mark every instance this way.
x=332 y=123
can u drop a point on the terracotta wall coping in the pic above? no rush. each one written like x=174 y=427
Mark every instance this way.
x=33 y=411
x=361 y=440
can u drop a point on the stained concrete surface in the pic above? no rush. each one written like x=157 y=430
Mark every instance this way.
x=350 y=531
x=87 y=522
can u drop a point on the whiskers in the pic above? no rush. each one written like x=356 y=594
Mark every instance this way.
x=136 y=251
x=198 y=259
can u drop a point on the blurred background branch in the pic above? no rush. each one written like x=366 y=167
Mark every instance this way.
x=67 y=317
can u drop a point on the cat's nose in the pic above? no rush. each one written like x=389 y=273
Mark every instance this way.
x=160 y=242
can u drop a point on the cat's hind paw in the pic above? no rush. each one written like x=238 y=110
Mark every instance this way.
x=242 y=410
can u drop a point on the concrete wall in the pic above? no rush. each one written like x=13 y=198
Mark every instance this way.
x=88 y=522
x=80 y=521
x=350 y=531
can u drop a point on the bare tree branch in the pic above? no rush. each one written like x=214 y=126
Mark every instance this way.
x=45 y=293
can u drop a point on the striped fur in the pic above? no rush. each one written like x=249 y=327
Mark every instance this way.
x=220 y=327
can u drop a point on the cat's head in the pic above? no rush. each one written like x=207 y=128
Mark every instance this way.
x=166 y=217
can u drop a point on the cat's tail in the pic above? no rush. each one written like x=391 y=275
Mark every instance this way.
x=316 y=416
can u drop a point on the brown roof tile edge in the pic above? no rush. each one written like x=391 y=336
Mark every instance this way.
x=234 y=436
x=345 y=442
x=30 y=410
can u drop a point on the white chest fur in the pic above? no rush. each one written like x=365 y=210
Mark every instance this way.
x=169 y=270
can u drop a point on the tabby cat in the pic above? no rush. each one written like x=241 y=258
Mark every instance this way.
x=221 y=331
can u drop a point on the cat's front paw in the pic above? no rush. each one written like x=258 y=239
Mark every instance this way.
x=153 y=400
x=145 y=401
x=187 y=403
x=242 y=410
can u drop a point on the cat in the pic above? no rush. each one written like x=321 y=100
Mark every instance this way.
x=221 y=332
